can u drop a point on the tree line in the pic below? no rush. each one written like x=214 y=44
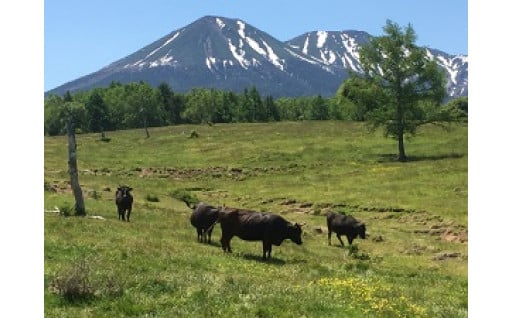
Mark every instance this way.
x=138 y=105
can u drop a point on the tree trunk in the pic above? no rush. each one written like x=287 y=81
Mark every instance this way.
x=401 y=147
x=146 y=127
x=73 y=171
x=400 y=122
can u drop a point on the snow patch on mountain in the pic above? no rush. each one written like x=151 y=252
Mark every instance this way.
x=220 y=23
x=238 y=56
x=241 y=29
x=273 y=58
x=321 y=37
x=165 y=60
x=350 y=45
x=306 y=43
x=255 y=46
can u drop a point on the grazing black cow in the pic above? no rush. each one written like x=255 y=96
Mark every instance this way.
x=248 y=225
x=203 y=218
x=124 y=201
x=344 y=225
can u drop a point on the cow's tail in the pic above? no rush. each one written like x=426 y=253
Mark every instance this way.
x=211 y=226
x=216 y=220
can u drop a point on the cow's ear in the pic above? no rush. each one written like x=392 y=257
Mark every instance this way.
x=130 y=189
x=118 y=188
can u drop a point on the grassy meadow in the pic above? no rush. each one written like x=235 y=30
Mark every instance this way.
x=413 y=264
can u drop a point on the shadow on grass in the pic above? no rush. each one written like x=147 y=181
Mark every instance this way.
x=259 y=258
x=388 y=157
x=212 y=243
x=272 y=260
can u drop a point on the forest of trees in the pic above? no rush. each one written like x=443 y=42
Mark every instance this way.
x=138 y=105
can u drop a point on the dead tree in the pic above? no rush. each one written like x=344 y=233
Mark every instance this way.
x=73 y=170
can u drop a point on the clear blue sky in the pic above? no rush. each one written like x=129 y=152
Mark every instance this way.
x=80 y=37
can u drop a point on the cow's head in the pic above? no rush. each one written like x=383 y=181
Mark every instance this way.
x=295 y=232
x=361 y=230
x=124 y=191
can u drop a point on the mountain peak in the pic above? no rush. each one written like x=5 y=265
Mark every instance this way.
x=226 y=53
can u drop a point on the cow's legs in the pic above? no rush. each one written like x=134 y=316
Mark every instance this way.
x=339 y=238
x=350 y=238
x=128 y=212
x=199 y=234
x=267 y=247
x=209 y=236
x=329 y=237
x=225 y=241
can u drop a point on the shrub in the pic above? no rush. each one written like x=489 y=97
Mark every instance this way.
x=66 y=210
x=184 y=195
x=77 y=284
x=152 y=198
x=73 y=284
x=95 y=195
x=353 y=251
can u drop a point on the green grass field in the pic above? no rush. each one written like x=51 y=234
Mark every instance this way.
x=413 y=264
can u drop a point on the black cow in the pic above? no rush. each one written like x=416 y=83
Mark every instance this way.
x=344 y=225
x=124 y=201
x=249 y=225
x=203 y=218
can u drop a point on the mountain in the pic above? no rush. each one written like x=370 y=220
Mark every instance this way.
x=230 y=54
x=340 y=51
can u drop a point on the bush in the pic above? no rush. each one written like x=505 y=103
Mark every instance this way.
x=184 y=195
x=152 y=198
x=73 y=284
x=76 y=284
x=95 y=195
x=353 y=251
x=66 y=210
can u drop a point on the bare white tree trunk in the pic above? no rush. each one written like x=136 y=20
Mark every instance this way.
x=73 y=170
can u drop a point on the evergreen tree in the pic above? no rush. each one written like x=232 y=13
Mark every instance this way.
x=272 y=111
x=170 y=105
x=96 y=114
x=319 y=110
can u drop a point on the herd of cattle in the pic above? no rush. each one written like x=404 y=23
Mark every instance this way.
x=248 y=225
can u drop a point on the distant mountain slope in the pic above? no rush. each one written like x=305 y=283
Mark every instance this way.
x=340 y=51
x=230 y=54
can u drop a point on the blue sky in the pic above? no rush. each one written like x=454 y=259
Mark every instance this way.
x=80 y=37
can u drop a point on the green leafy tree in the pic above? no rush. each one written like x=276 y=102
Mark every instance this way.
x=53 y=123
x=199 y=106
x=58 y=110
x=407 y=79
x=357 y=97
x=459 y=106
x=142 y=108
x=115 y=98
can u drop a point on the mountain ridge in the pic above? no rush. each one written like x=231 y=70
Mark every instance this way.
x=226 y=53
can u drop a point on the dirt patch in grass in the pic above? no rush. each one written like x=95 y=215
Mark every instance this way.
x=233 y=173
x=435 y=225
